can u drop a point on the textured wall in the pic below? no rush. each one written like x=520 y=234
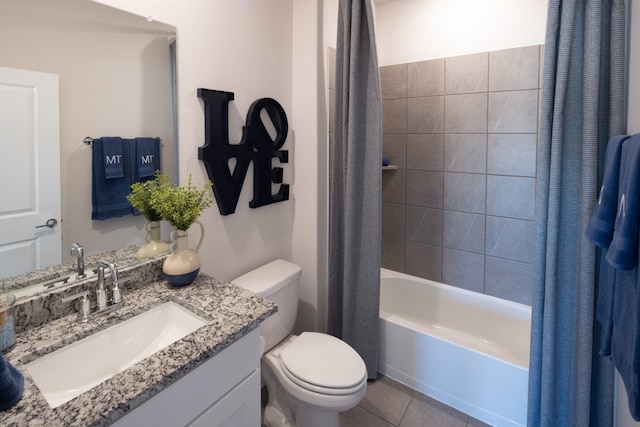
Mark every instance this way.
x=460 y=207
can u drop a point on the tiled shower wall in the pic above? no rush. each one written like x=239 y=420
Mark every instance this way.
x=462 y=132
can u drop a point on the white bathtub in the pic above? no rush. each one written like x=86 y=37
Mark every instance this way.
x=465 y=349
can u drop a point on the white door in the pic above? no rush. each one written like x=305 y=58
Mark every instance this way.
x=29 y=171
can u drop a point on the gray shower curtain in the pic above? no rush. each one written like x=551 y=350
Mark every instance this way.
x=355 y=189
x=582 y=106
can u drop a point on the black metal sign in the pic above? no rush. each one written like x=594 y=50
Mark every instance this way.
x=256 y=146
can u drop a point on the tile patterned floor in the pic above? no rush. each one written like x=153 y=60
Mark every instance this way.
x=391 y=404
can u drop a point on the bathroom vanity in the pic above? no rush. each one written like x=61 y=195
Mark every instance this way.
x=209 y=377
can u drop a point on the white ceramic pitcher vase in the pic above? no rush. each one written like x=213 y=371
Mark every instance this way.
x=182 y=267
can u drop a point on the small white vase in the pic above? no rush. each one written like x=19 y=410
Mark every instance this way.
x=155 y=245
x=182 y=267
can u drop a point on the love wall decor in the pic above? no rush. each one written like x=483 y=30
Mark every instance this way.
x=256 y=146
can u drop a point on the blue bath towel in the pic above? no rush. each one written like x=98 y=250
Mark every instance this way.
x=11 y=384
x=604 y=302
x=113 y=157
x=600 y=228
x=147 y=158
x=625 y=341
x=623 y=250
x=109 y=195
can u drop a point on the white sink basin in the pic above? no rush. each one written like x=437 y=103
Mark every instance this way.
x=74 y=369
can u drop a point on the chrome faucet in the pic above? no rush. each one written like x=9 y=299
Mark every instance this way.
x=77 y=250
x=101 y=293
x=103 y=305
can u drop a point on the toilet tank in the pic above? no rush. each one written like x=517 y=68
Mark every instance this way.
x=277 y=282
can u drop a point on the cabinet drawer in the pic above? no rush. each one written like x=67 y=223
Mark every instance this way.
x=239 y=408
x=190 y=396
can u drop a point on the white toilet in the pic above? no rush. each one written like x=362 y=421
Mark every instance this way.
x=312 y=377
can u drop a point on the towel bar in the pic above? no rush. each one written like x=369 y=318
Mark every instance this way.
x=88 y=140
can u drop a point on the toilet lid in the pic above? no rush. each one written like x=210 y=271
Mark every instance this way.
x=323 y=361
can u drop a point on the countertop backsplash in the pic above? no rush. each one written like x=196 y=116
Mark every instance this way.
x=46 y=307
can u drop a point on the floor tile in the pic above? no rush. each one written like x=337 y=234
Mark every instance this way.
x=424 y=411
x=358 y=417
x=476 y=423
x=387 y=399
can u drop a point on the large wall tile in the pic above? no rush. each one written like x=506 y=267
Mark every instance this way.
x=463 y=270
x=466 y=113
x=424 y=225
x=394 y=116
x=540 y=72
x=464 y=231
x=509 y=280
x=512 y=154
x=394 y=186
x=426 y=78
x=465 y=152
x=332 y=110
x=424 y=188
x=425 y=151
x=511 y=239
x=425 y=115
x=393 y=252
x=393 y=223
x=423 y=260
x=467 y=73
x=464 y=192
x=393 y=81
x=331 y=55
x=463 y=133
x=514 y=69
x=513 y=112
x=511 y=196
x=394 y=145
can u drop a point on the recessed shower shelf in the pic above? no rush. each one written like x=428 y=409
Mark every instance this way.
x=390 y=168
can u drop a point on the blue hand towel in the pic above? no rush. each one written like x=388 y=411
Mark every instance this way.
x=625 y=341
x=11 y=384
x=113 y=157
x=623 y=250
x=109 y=195
x=600 y=228
x=147 y=157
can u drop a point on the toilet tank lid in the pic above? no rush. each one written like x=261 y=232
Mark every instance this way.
x=269 y=278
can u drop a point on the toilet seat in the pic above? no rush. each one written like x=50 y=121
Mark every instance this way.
x=323 y=364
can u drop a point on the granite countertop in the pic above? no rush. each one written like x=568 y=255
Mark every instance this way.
x=232 y=313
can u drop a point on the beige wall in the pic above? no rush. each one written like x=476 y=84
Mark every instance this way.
x=415 y=30
x=242 y=47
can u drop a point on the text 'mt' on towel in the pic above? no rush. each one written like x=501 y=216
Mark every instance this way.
x=147 y=158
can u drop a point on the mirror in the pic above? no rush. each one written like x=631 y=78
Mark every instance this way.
x=115 y=79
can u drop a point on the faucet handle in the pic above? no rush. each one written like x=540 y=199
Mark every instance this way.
x=116 y=297
x=83 y=312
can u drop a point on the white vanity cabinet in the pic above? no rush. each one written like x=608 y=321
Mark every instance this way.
x=224 y=391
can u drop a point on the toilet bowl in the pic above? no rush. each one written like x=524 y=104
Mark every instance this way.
x=310 y=377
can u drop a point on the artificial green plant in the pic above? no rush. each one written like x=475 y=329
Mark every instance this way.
x=182 y=205
x=144 y=195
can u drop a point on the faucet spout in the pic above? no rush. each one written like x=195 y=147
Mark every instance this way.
x=101 y=293
x=112 y=267
x=77 y=250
